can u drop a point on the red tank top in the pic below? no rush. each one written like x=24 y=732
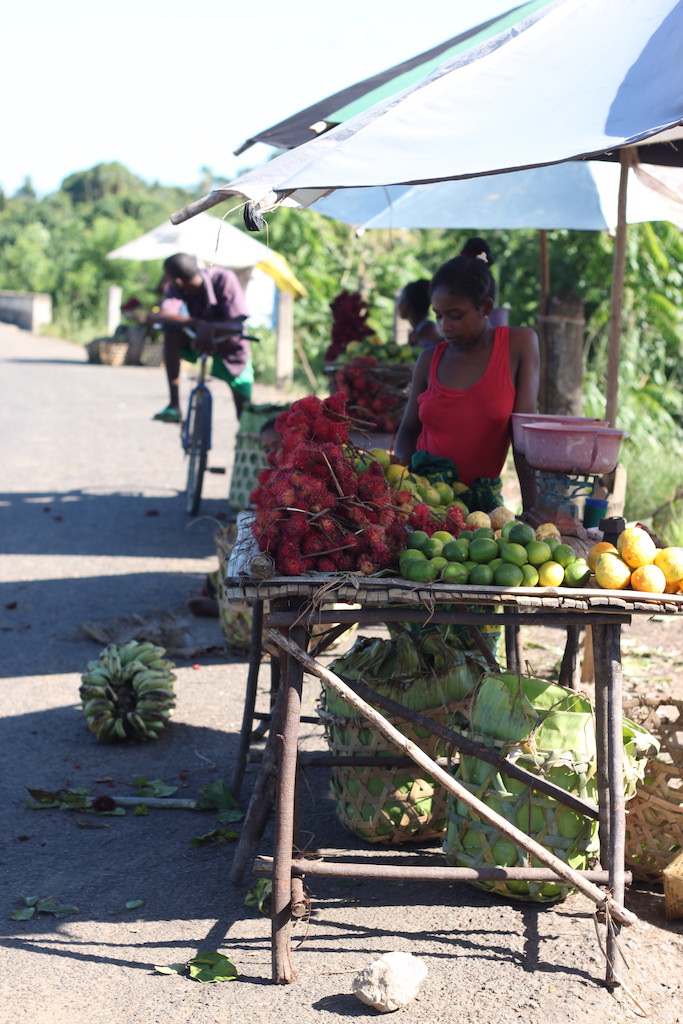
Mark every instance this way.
x=471 y=427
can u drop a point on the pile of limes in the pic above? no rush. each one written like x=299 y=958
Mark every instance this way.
x=636 y=563
x=477 y=557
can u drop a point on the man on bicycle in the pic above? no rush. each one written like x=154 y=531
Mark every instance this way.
x=209 y=303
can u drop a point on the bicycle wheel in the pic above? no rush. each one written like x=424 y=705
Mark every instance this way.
x=197 y=448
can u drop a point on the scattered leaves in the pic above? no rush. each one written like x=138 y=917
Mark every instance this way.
x=34 y=905
x=259 y=896
x=218 y=835
x=153 y=787
x=216 y=796
x=205 y=967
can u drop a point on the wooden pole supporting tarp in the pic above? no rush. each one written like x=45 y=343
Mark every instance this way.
x=562 y=870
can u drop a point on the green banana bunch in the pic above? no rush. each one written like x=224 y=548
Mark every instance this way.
x=127 y=692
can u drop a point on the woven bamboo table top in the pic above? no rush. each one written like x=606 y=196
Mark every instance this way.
x=372 y=591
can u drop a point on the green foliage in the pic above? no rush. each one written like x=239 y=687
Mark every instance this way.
x=58 y=245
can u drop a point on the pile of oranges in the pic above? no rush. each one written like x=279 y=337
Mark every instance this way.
x=636 y=563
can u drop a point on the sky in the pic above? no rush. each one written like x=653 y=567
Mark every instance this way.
x=168 y=88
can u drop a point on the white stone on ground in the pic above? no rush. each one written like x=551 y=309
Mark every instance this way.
x=390 y=982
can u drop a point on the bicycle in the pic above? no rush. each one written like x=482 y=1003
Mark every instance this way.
x=196 y=432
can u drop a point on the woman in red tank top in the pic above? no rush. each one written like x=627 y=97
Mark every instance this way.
x=464 y=390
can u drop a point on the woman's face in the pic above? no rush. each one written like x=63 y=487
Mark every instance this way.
x=459 y=320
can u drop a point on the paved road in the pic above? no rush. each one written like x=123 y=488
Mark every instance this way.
x=83 y=469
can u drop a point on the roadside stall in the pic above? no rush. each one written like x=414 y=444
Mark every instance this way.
x=552 y=818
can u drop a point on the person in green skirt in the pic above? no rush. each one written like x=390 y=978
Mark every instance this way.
x=207 y=305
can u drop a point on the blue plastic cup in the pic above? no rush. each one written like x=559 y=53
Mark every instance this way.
x=594 y=511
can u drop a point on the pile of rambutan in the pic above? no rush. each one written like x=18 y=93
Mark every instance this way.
x=377 y=391
x=349 y=322
x=314 y=510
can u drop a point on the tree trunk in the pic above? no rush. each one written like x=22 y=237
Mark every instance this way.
x=561 y=387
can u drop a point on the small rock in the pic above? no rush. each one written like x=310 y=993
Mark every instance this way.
x=390 y=982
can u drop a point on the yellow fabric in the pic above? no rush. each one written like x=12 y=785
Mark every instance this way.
x=276 y=266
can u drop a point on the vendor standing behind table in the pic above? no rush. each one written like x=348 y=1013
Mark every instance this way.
x=466 y=388
x=210 y=302
x=414 y=306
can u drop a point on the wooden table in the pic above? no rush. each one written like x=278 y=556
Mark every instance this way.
x=296 y=604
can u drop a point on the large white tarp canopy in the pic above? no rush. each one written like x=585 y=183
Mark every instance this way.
x=578 y=195
x=578 y=78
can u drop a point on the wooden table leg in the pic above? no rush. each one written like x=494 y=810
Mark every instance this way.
x=608 y=699
x=255 y=651
x=570 y=669
x=281 y=900
x=514 y=657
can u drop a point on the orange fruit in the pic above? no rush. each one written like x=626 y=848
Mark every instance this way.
x=611 y=573
x=598 y=549
x=636 y=547
x=670 y=561
x=648 y=578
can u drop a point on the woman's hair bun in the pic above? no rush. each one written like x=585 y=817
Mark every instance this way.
x=478 y=249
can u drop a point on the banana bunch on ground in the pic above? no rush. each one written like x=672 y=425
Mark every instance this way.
x=127 y=693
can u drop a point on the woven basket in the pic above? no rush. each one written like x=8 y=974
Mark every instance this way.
x=235 y=616
x=249 y=458
x=395 y=805
x=113 y=353
x=673 y=888
x=549 y=730
x=654 y=822
x=152 y=353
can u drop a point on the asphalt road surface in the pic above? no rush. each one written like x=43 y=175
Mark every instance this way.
x=93 y=529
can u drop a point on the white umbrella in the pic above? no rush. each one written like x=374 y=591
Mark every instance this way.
x=211 y=240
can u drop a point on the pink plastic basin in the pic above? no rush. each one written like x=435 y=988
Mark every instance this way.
x=586 y=447
x=520 y=419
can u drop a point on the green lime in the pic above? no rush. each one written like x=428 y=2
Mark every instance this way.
x=521 y=533
x=456 y=550
x=506 y=527
x=530 y=574
x=515 y=554
x=410 y=553
x=481 y=575
x=466 y=535
x=508 y=575
x=444 y=536
x=469 y=564
x=439 y=561
x=577 y=574
x=495 y=562
x=552 y=541
x=418 y=539
x=454 y=572
x=501 y=542
x=564 y=555
x=433 y=547
x=483 y=531
x=538 y=552
x=420 y=571
x=483 y=549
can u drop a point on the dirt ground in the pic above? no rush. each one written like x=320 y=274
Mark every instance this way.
x=92 y=529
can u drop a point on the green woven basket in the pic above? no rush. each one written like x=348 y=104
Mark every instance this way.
x=249 y=459
x=395 y=805
x=548 y=730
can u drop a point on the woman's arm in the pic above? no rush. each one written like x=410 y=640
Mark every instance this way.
x=409 y=431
